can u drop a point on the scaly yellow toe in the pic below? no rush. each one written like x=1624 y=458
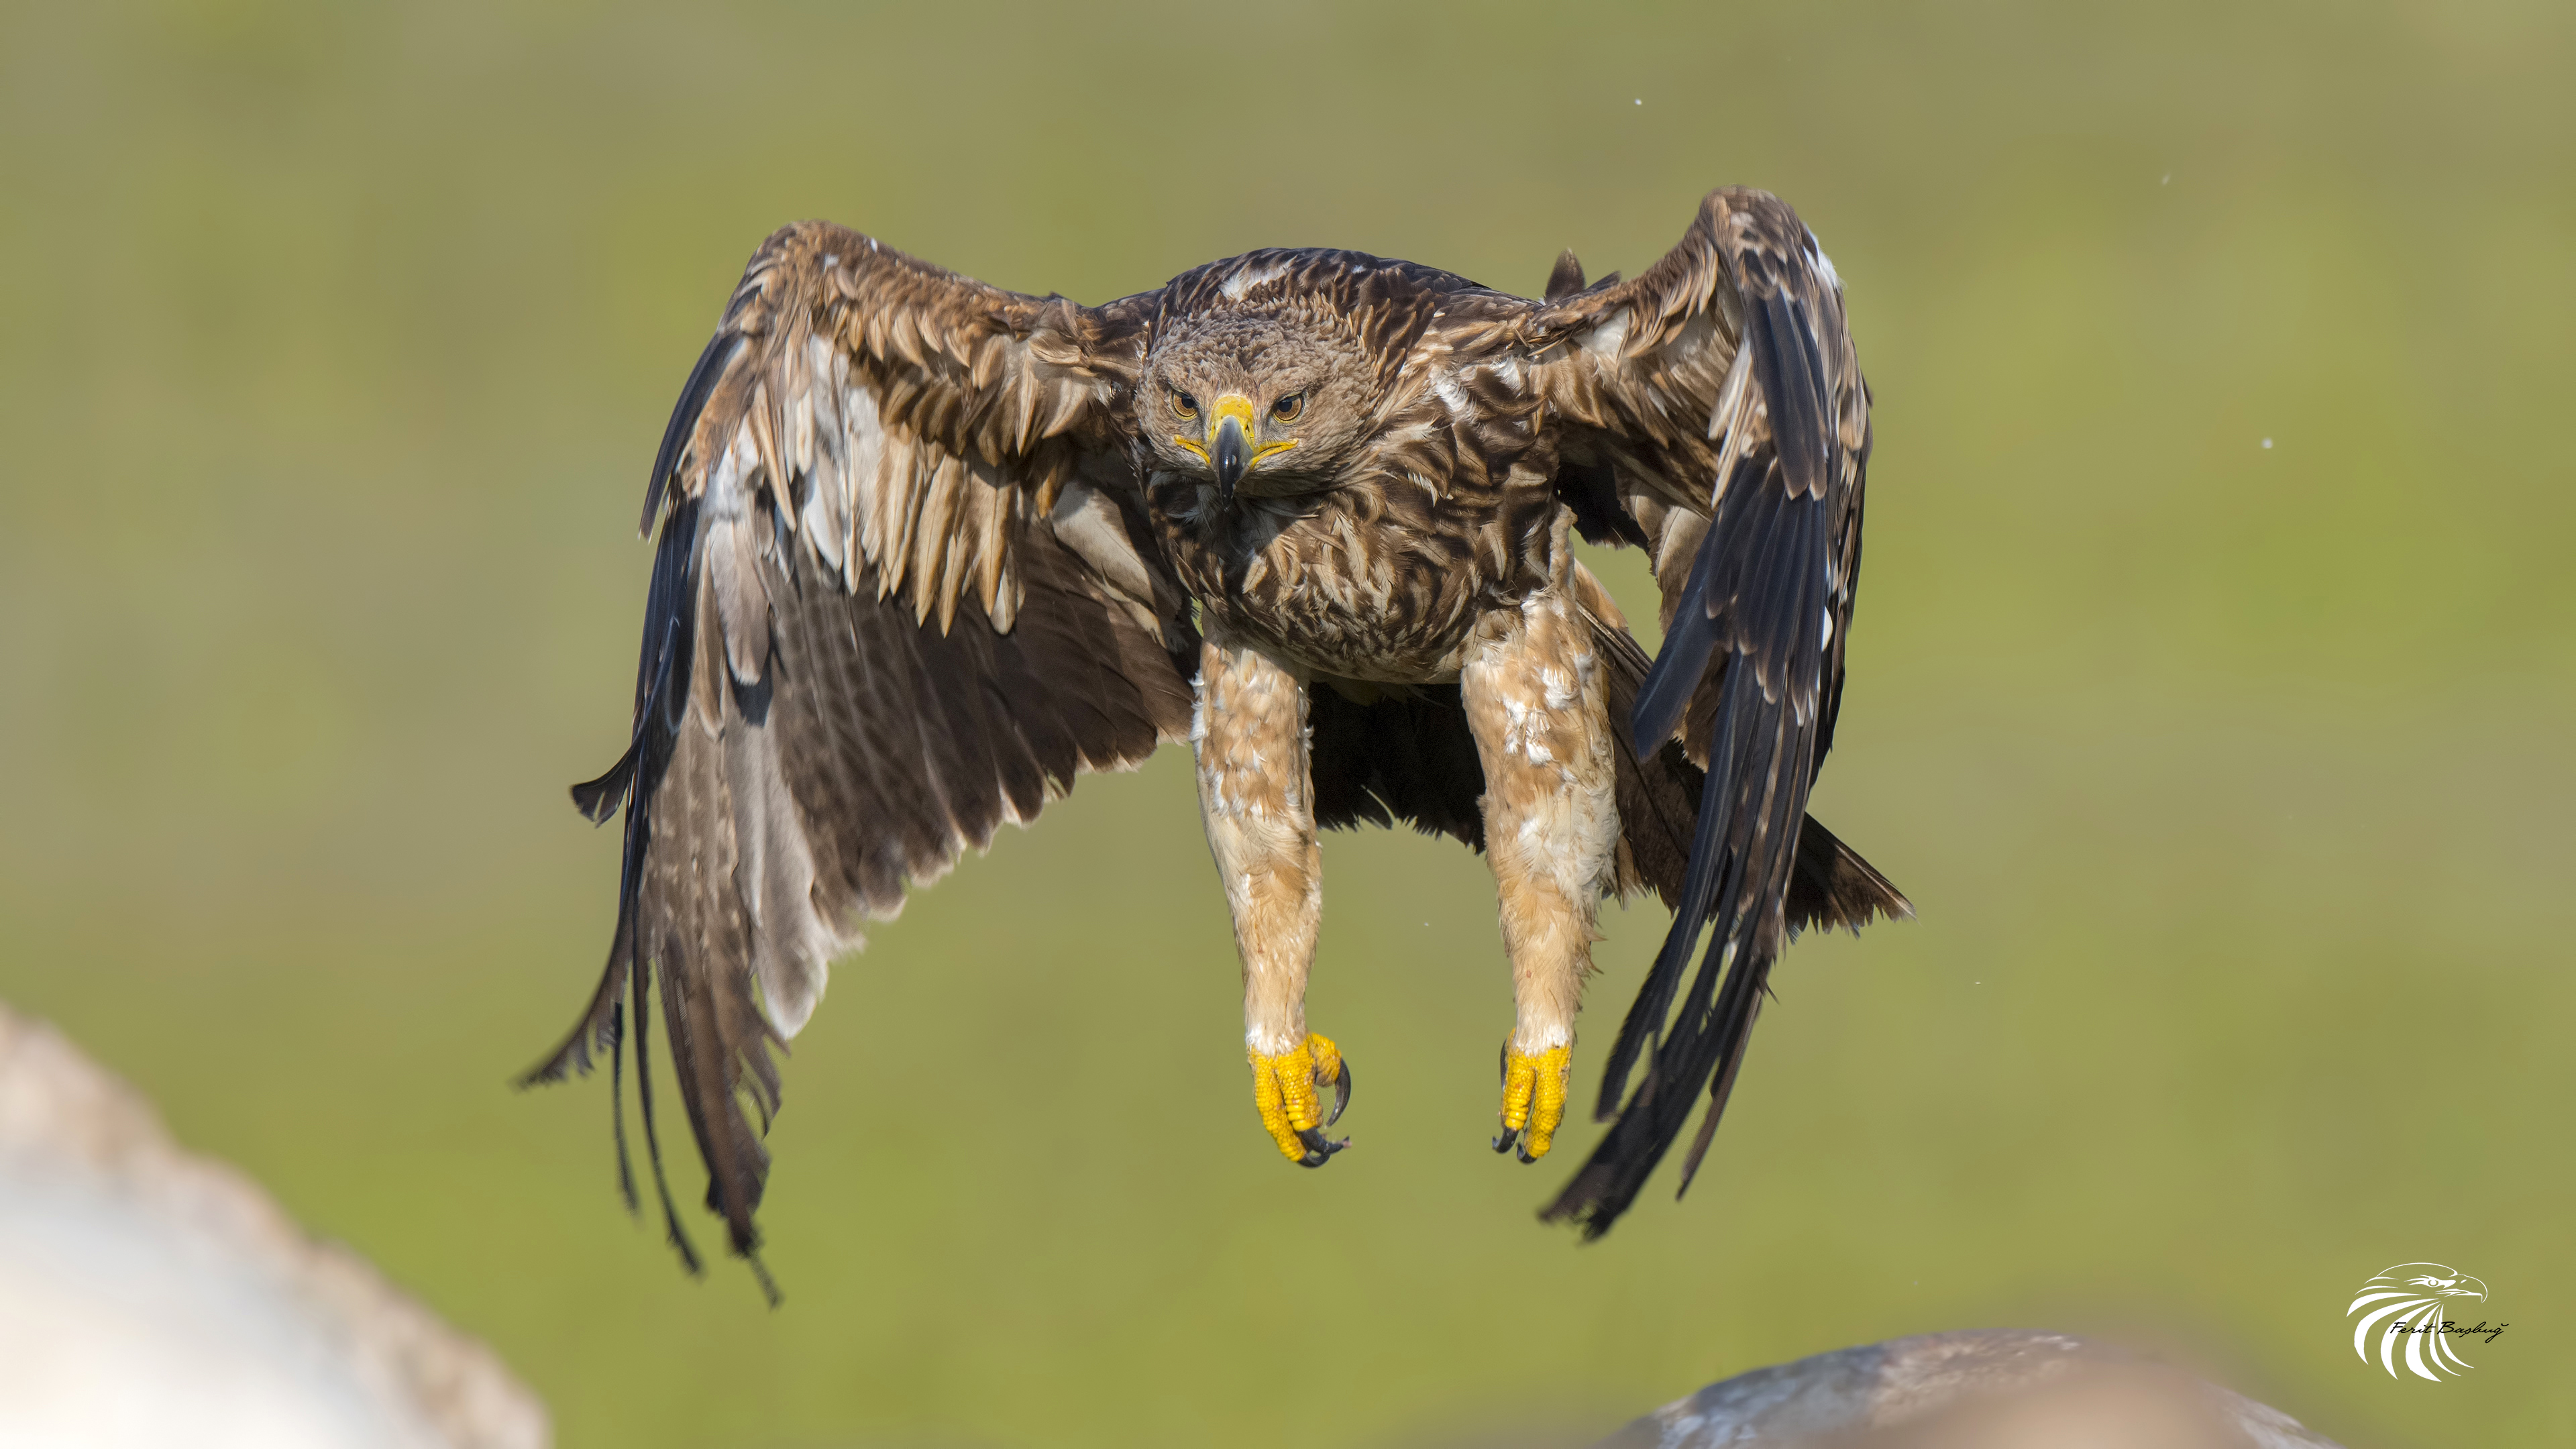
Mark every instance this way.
x=1534 y=1087
x=1284 y=1089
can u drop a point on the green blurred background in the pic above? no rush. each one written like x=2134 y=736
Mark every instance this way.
x=2230 y=779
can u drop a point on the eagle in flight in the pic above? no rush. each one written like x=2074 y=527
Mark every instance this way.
x=930 y=550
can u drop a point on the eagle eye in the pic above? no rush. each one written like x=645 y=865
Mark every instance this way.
x=1287 y=408
x=1184 y=405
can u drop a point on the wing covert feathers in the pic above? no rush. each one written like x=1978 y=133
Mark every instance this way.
x=909 y=416
x=1721 y=385
x=889 y=612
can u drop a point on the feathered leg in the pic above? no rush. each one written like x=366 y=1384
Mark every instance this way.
x=1256 y=797
x=1534 y=695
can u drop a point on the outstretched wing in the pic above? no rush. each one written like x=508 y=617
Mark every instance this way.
x=1718 y=396
x=903 y=593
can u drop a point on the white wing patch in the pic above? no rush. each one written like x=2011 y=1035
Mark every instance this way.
x=1824 y=264
x=1452 y=395
x=1244 y=281
x=1609 y=338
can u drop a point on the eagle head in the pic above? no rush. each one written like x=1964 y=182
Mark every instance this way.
x=1264 y=401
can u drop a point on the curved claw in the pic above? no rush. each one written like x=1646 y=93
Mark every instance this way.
x=1319 y=1148
x=1284 y=1090
x=1510 y=1136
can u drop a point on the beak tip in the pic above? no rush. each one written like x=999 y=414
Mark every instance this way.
x=1232 y=455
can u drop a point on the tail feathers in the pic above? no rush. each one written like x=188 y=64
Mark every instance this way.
x=1830 y=885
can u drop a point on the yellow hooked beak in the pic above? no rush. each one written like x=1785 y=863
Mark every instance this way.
x=1231 y=428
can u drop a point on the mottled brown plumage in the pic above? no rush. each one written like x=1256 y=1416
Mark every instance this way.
x=929 y=550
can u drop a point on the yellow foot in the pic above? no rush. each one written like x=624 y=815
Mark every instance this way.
x=1283 y=1087
x=1533 y=1097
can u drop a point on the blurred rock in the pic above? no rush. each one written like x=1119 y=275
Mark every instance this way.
x=151 y=1297
x=1994 y=1389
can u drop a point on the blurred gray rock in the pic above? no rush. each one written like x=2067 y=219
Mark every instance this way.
x=1993 y=1389
x=153 y=1298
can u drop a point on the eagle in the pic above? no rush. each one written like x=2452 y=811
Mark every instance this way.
x=2407 y=1302
x=929 y=550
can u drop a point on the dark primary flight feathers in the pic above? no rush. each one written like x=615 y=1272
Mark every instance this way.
x=908 y=588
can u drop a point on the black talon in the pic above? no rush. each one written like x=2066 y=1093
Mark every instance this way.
x=1525 y=1153
x=1504 y=1142
x=1319 y=1148
x=1341 y=1092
